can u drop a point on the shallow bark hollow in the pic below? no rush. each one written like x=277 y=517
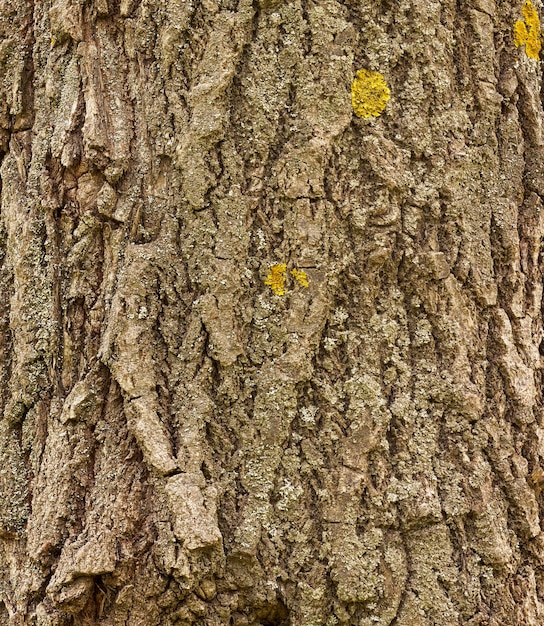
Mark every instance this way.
x=265 y=361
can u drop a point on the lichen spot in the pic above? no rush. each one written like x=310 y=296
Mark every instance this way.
x=301 y=277
x=369 y=93
x=276 y=278
x=527 y=31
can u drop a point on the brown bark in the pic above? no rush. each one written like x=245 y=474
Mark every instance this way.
x=264 y=361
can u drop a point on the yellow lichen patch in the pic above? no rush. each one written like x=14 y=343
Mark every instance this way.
x=369 y=93
x=527 y=33
x=300 y=276
x=276 y=278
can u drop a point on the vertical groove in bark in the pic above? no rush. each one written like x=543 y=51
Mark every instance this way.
x=182 y=444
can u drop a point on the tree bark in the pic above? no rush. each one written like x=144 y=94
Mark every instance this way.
x=271 y=352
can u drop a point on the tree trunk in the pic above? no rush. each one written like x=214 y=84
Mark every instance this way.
x=271 y=313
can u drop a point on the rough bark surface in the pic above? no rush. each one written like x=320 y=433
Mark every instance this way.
x=183 y=441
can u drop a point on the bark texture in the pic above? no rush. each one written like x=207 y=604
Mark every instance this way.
x=264 y=362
